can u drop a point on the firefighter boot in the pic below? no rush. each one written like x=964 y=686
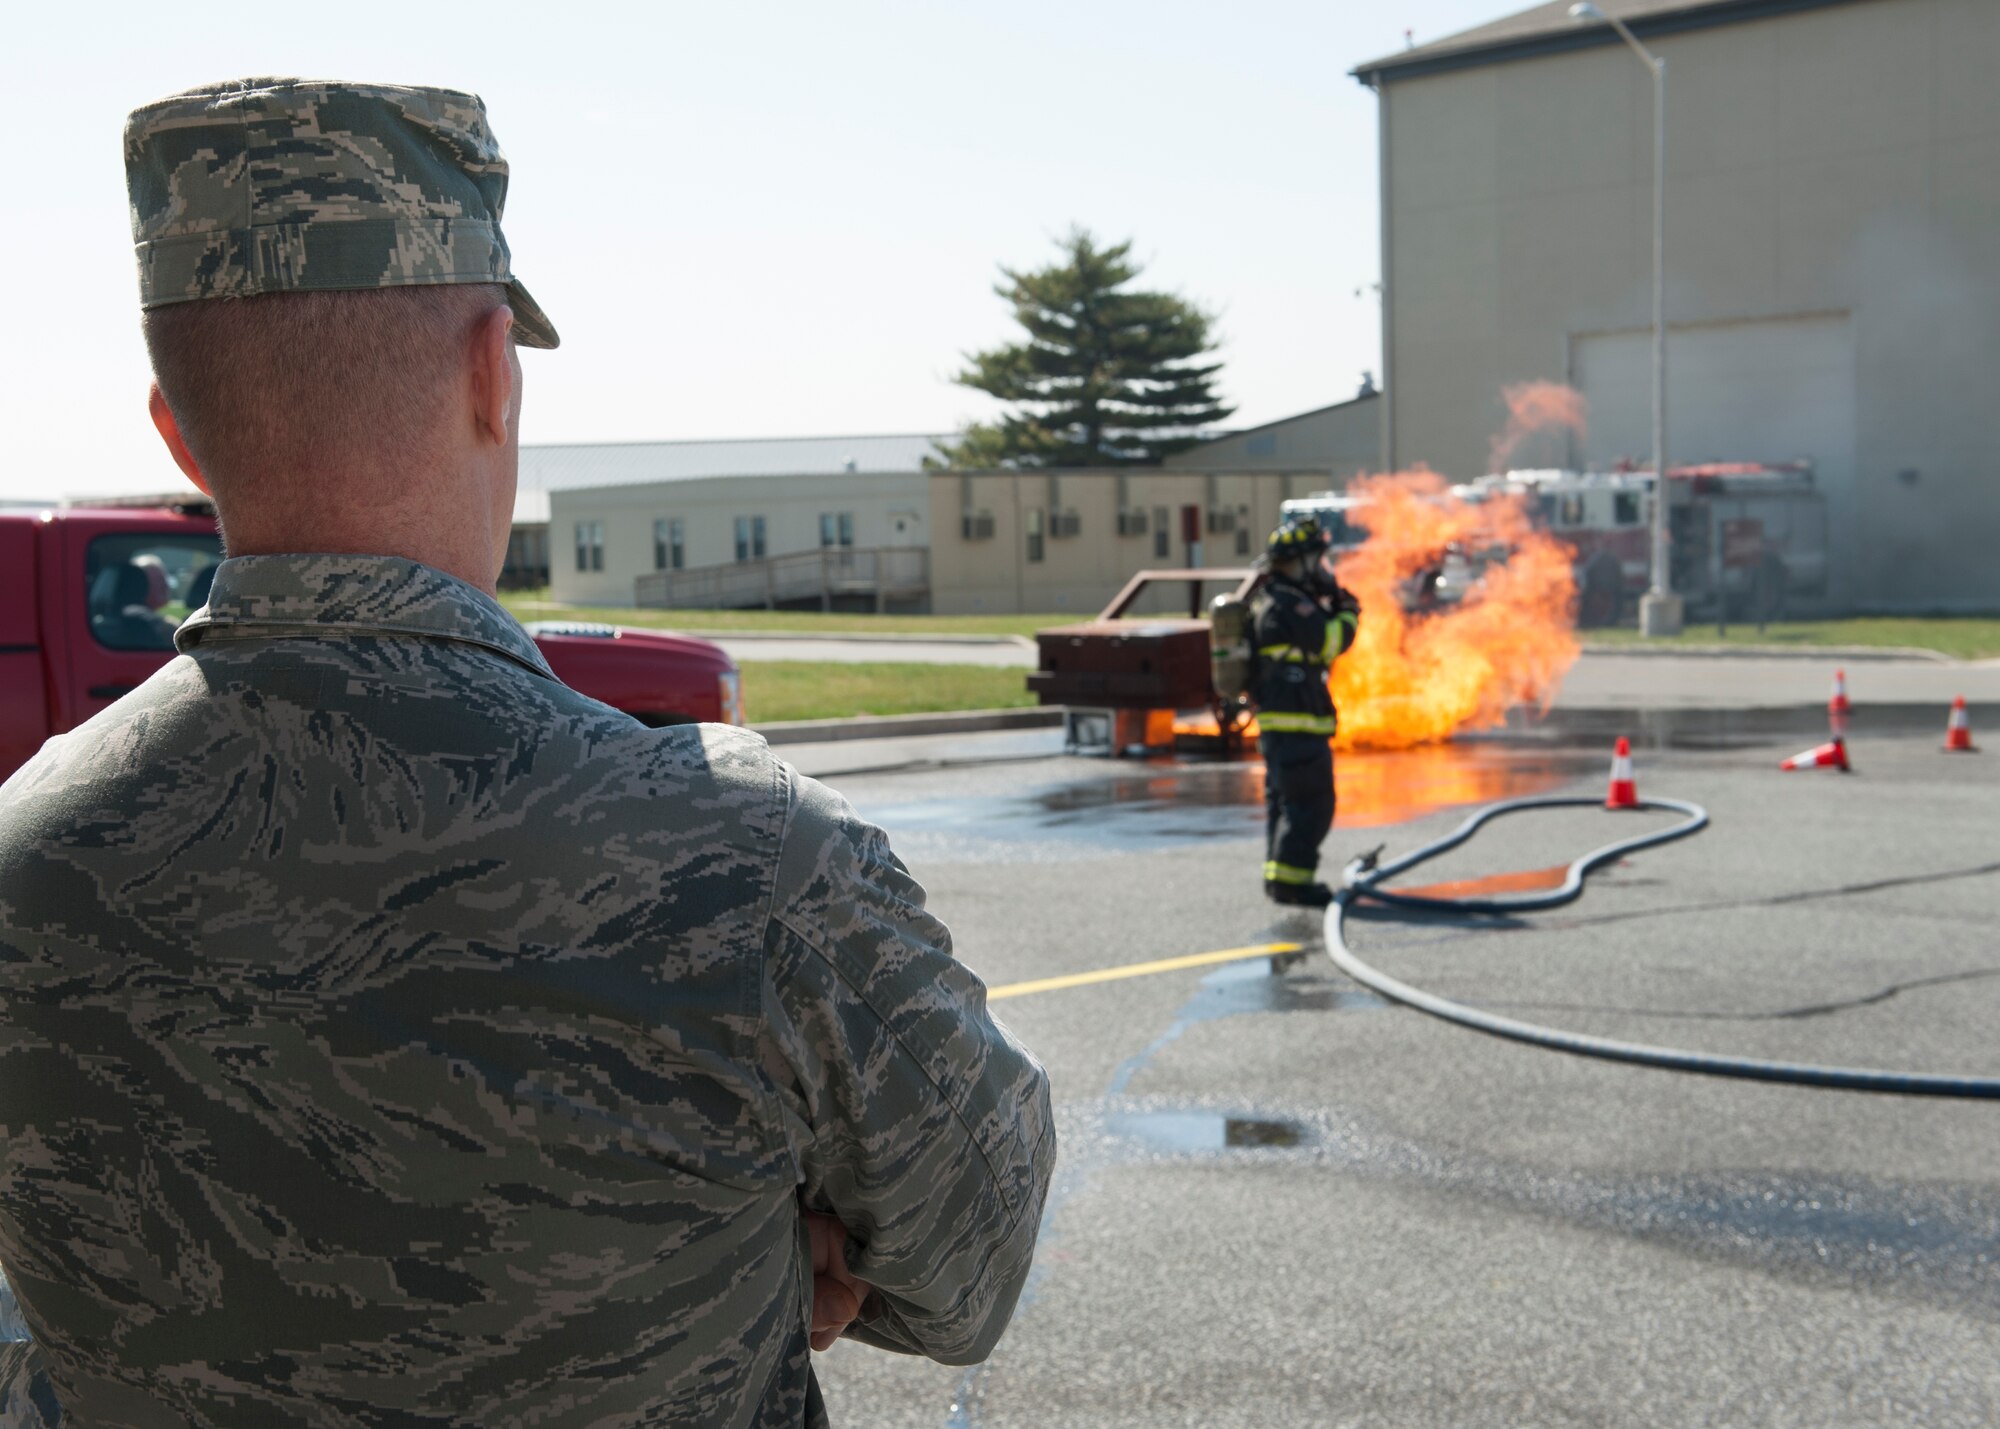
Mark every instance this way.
x=1299 y=895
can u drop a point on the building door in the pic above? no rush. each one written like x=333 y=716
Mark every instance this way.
x=1772 y=390
x=1191 y=535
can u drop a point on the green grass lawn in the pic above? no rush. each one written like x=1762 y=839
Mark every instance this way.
x=1970 y=637
x=535 y=605
x=776 y=690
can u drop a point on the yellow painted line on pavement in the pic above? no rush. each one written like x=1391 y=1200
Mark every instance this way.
x=1163 y=965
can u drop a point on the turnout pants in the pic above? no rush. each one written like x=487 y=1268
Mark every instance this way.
x=1298 y=804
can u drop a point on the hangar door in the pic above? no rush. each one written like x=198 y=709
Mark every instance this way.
x=1770 y=390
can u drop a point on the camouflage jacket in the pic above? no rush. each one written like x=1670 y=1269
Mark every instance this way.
x=390 y=1035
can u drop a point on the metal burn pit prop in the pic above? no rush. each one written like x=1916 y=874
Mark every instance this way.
x=1125 y=679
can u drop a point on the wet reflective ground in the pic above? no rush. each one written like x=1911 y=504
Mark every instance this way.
x=1168 y=799
x=1205 y=1130
x=1135 y=804
x=1280 y=1201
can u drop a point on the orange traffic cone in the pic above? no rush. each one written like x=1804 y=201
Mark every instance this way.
x=1958 y=732
x=1837 y=708
x=1831 y=755
x=1623 y=794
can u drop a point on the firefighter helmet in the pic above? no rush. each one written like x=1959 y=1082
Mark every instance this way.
x=1297 y=538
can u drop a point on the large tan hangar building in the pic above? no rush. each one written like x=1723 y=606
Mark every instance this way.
x=1832 y=256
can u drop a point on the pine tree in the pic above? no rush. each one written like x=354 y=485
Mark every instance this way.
x=1107 y=377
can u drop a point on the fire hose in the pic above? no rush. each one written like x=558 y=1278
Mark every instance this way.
x=1363 y=881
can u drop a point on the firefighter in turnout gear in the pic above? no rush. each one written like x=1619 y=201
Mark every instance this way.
x=1303 y=622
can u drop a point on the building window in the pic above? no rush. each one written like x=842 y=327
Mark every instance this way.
x=1162 y=537
x=847 y=528
x=1242 y=530
x=1034 y=534
x=669 y=544
x=837 y=529
x=749 y=538
x=590 y=545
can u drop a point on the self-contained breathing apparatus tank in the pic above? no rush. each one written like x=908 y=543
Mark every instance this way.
x=1229 y=646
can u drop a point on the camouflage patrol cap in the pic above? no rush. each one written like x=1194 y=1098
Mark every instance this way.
x=292 y=186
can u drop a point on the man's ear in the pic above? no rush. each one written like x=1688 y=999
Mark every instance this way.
x=493 y=374
x=170 y=433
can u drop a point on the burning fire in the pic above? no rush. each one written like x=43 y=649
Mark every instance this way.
x=1415 y=676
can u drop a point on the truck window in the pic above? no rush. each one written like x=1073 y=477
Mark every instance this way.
x=1625 y=508
x=137 y=588
x=1569 y=511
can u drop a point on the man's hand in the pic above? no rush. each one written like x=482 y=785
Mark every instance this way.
x=837 y=1295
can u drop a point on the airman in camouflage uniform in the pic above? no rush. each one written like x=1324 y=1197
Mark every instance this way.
x=390 y=1035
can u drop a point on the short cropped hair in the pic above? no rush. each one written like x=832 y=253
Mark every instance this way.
x=302 y=383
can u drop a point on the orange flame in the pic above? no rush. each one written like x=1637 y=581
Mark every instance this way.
x=1535 y=408
x=1415 y=677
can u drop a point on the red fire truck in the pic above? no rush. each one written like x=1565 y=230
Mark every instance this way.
x=90 y=596
x=1747 y=540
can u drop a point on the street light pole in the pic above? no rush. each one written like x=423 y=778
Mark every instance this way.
x=1660 y=612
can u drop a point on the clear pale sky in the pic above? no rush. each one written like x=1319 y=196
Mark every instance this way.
x=780 y=219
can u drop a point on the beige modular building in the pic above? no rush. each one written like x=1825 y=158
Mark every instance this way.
x=858 y=523
x=1065 y=542
x=619 y=512
x=1832 y=257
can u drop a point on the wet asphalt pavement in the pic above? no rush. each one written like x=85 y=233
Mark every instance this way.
x=1283 y=1202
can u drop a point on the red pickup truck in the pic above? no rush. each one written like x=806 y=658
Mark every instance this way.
x=90 y=596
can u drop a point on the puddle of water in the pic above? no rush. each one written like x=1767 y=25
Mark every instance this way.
x=1261 y=985
x=1205 y=1131
x=1253 y=985
x=1177 y=801
x=1527 y=880
x=1214 y=786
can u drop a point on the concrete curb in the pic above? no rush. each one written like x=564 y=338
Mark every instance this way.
x=1718 y=727
x=1826 y=653
x=1725 y=726
x=891 y=726
x=887 y=637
